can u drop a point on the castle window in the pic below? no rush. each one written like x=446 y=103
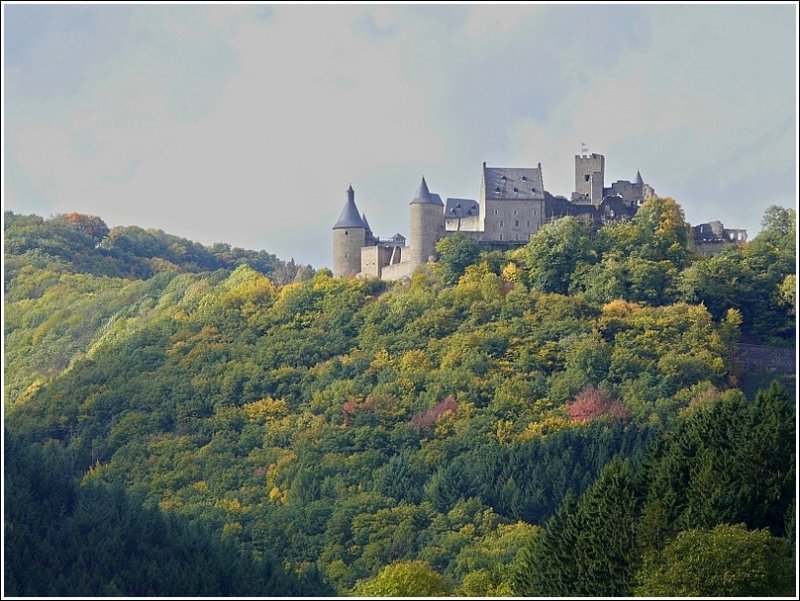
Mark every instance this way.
x=515 y=190
x=501 y=223
x=516 y=222
x=515 y=211
x=495 y=211
x=586 y=178
x=501 y=236
x=529 y=222
x=524 y=178
x=497 y=189
x=533 y=189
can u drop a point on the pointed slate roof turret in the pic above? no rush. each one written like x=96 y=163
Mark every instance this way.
x=366 y=223
x=349 y=216
x=639 y=179
x=424 y=196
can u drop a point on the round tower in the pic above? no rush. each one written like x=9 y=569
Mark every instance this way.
x=349 y=235
x=427 y=225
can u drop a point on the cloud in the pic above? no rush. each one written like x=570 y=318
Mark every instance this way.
x=251 y=154
x=246 y=124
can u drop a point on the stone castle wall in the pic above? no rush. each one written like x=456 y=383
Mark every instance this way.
x=513 y=219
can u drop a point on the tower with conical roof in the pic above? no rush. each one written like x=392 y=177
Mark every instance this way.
x=427 y=224
x=349 y=235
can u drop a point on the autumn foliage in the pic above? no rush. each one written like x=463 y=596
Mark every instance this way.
x=428 y=418
x=591 y=403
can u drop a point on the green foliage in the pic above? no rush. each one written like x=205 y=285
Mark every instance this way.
x=84 y=244
x=588 y=548
x=65 y=539
x=693 y=484
x=787 y=293
x=779 y=227
x=403 y=579
x=341 y=426
x=726 y=561
x=456 y=252
x=661 y=232
x=727 y=462
x=553 y=254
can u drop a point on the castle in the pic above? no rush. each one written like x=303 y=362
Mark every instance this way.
x=512 y=206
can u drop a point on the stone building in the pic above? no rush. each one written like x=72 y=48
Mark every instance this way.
x=511 y=207
x=710 y=238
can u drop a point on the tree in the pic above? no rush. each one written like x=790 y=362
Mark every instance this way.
x=727 y=561
x=591 y=403
x=92 y=226
x=730 y=462
x=552 y=255
x=403 y=579
x=547 y=567
x=662 y=232
x=787 y=293
x=456 y=252
x=588 y=548
x=779 y=225
x=605 y=552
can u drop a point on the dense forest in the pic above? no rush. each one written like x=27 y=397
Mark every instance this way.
x=566 y=418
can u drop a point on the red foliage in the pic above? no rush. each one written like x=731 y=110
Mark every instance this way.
x=352 y=406
x=590 y=403
x=428 y=419
x=89 y=224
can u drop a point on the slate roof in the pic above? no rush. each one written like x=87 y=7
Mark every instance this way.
x=513 y=183
x=460 y=207
x=424 y=196
x=349 y=216
x=639 y=179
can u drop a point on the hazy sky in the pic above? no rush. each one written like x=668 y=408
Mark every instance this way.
x=245 y=124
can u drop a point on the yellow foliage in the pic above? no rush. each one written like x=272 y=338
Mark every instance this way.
x=31 y=390
x=415 y=359
x=285 y=458
x=266 y=408
x=231 y=505
x=287 y=291
x=549 y=352
x=468 y=529
x=380 y=360
x=232 y=529
x=276 y=495
x=548 y=425
x=619 y=308
x=167 y=505
x=511 y=272
x=504 y=431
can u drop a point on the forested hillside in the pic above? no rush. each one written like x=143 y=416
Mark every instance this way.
x=559 y=419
